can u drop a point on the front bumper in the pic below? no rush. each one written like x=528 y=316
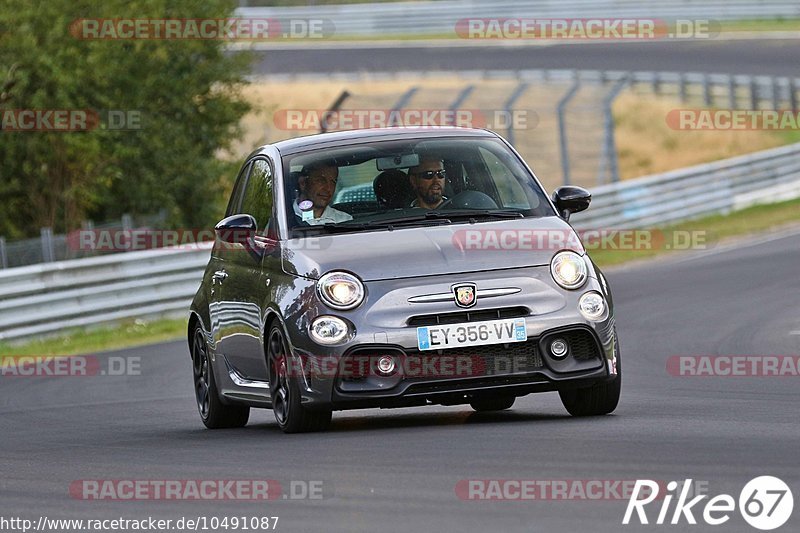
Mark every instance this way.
x=385 y=325
x=456 y=376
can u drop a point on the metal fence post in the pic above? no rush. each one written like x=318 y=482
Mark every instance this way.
x=508 y=107
x=609 y=153
x=753 y=94
x=732 y=92
x=87 y=227
x=793 y=94
x=683 y=87
x=127 y=228
x=3 y=255
x=775 y=94
x=48 y=254
x=323 y=127
x=462 y=96
x=562 y=126
x=707 y=90
x=400 y=104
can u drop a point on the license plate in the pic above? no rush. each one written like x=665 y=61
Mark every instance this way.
x=471 y=334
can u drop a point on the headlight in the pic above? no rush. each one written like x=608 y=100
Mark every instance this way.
x=328 y=330
x=340 y=290
x=592 y=306
x=568 y=269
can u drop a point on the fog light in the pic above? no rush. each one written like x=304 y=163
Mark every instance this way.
x=328 y=330
x=386 y=365
x=558 y=348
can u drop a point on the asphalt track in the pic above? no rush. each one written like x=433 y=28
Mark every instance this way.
x=775 y=57
x=396 y=470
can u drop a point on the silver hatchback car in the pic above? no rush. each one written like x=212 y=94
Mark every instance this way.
x=398 y=267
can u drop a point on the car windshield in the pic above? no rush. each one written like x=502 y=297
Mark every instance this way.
x=411 y=182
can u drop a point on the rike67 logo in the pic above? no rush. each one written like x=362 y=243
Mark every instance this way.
x=765 y=503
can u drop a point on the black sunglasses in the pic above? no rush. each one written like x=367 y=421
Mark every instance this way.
x=430 y=174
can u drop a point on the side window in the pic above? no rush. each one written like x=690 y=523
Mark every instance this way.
x=238 y=189
x=257 y=199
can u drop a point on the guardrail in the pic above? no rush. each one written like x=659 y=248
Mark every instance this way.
x=718 y=187
x=440 y=17
x=46 y=298
x=49 y=297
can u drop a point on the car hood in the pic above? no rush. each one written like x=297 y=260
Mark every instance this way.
x=431 y=250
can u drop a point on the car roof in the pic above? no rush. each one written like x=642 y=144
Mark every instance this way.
x=321 y=140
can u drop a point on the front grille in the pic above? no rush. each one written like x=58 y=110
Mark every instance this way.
x=495 y=359
x=469 y=362
x=468 y=316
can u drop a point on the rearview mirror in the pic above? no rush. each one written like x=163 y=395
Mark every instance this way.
x=397 y=161
x=570 y=199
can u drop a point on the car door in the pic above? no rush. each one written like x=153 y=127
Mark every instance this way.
x=216 y=273
x=244 y=286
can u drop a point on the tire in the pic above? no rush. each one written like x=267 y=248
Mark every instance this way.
x=599 y=399
x=291 y=415
x=213 y=412
x=499 y=403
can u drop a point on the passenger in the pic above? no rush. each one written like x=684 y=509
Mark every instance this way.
x=317 y=184
x=427 y=181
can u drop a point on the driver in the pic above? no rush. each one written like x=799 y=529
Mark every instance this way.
x=317 y=184
x=427 y=181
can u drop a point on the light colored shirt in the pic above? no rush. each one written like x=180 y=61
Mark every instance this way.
x=330 y=215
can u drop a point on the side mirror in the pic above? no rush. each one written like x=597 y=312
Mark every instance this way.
x=237 y=229
x=570 y=199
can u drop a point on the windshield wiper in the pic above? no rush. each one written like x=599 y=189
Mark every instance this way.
x=479 y=213
x=445 y=217
x=341 y=227
x=329 y=227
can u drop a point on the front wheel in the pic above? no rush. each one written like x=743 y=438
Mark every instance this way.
x=599 y=399
x=213 y=412
x=284 y=386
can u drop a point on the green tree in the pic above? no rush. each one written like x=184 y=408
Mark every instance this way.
x=186 y=94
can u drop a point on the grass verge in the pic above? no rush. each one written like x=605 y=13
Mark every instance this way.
x=85 y=341
x=765 y=25
x=714 y=230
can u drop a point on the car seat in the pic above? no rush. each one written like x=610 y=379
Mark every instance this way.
x=392 y=189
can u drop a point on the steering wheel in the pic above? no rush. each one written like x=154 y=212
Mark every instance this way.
x=469 y=200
